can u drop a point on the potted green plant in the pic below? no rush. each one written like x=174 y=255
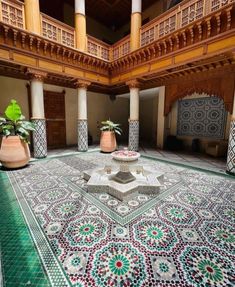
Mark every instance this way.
x=14 y=129
x=108 y=139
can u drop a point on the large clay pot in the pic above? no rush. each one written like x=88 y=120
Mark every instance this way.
x=14 y=152
x=108 y=141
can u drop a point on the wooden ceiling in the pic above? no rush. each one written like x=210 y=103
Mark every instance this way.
x=111 y=13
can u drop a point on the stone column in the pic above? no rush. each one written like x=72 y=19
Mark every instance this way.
x=38 y=115
x=134 y=116
x=32 y=16
x=161 y=118
x=231 y=144
x=135 y=24
x=82 y=115
x=80 y=25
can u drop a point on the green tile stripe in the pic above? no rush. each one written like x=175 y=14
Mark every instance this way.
x=46 y=258
x=123 y=220
x=1 y=281
x=20 y=262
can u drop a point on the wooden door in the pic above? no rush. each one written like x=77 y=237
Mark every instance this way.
x=54 y=104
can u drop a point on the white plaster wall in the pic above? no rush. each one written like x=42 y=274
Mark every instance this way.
x=148 y=119
x=13 y=89
x=101 y=108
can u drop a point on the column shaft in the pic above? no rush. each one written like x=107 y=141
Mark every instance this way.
x=134 y=116
x=82 y=115
x=231 y=149
x=231 y=144
x=38 y=118
x=32 y=16
x=80 y=25
x=161 y=118
x=135 y=24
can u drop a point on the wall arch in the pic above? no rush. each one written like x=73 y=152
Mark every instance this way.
x=220 y=87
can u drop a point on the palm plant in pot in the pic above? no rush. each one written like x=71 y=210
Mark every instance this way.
x=108 y=139
x=14 y=129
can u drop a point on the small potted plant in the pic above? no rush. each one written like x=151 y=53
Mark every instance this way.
x=108 y=139
x=14 y=129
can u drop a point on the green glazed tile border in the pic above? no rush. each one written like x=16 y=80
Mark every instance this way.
x=21 y=264
x=26 y=253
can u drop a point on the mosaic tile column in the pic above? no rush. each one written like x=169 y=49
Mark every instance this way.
x=134 y=115
x=231 y=150
x=82 y=115
x=39 y=138
x=82 y=135
x=133 y=135
x=38 y=114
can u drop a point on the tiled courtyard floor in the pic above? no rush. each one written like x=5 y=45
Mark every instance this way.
x=200 y=160
x=54 y=233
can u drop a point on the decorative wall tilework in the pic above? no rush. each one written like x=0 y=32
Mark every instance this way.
x=40 y=138
x=202 y=117
x=133 y=135
x=231 y=150
x=82 y=135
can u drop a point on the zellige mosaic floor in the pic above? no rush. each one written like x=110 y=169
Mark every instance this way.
x=53 y=233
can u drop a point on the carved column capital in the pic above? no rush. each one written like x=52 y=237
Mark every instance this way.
x=81 y=84
x=35 y=74
x=133 y=84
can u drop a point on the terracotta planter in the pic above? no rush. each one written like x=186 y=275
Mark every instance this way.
x=108 y=141
x=14 y=152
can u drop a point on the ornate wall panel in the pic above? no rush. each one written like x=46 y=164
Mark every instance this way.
x=202 y=117
x=221 y=85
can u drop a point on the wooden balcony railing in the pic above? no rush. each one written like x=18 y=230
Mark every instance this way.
x=98 y=48
x=121 y=48
x=178 y=17
x=12 y=13
x=57 y=31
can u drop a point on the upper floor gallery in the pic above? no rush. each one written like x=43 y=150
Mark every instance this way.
x=189 y=37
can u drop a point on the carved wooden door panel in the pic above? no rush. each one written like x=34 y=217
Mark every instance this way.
x=54 y=104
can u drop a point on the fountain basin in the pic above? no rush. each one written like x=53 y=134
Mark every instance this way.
x=125 y=155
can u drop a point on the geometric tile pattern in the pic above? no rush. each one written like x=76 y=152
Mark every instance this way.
x=39 y=138
x=164 y=269
x=133 y=135
x=231 y=150
x=212 y=269
x=82 y=135
x=182 y=237
x=202 y=117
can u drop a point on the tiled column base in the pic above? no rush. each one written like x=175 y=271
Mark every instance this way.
x=231 y=150
x=40 y=138
x=133 y=135
x=82 y=135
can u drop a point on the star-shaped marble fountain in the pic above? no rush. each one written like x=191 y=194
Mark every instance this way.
x=126 y=179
